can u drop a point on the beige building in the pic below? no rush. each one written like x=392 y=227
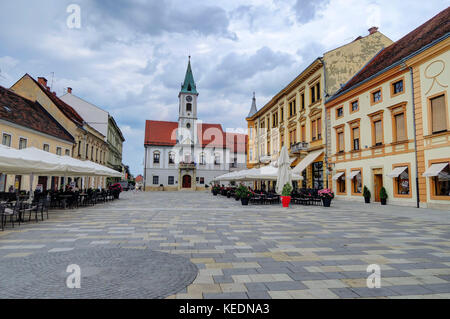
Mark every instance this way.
x=296 y=116
x=89 y=143
x=25 y=123
x=390 y=125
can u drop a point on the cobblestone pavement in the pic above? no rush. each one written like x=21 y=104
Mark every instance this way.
x=261 y=251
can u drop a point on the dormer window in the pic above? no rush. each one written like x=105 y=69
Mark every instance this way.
x=189 y=88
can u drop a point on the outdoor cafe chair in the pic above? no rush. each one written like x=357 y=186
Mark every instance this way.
x=13 y=212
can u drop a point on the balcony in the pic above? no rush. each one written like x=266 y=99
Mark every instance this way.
x=299 y=147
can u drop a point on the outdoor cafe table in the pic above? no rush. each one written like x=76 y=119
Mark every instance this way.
x=64 y=199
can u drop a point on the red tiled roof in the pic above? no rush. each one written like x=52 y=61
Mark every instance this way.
x=161 y=133
x=412 y=42
x=64 y=107
x=24 y=112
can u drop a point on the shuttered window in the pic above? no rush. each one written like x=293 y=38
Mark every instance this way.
x=303 y=133
x=356 y=139
x=438 y=114
x=378 y=132
x=314 y=130
x=341 y=141
x=400 y=126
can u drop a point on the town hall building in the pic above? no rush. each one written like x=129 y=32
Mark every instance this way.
x=189 y=154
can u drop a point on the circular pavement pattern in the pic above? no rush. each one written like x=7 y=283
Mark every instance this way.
x=105 y=274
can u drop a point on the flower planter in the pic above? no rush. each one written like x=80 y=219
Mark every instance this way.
x=367 y=200
x=383 y=201
x=244 y=201
x=326 y=201
x=215 y=193
x=228 y=195
x=236 y=198
x=286 y=200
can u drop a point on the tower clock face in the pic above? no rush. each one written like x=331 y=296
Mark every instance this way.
x=189 y=98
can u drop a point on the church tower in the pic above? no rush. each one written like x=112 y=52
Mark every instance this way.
x=187 y=118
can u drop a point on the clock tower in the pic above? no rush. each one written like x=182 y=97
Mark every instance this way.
x=187 y=118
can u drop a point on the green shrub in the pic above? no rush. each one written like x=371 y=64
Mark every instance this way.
x=287 y=190
x=383 y=193
x=243 y=192
x=366 y=192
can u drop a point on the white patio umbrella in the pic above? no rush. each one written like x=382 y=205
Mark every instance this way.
x=284 y=170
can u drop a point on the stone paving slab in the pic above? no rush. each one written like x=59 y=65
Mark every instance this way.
x=259 y=251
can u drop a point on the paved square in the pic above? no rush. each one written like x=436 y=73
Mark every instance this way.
x=261 y=251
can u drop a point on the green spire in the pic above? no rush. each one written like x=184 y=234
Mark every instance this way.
x=189 y=83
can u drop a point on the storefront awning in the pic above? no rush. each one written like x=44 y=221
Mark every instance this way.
x=435 y=169
x=308 y=160
x=397 y=172
x=337 y=176
x=353 y=175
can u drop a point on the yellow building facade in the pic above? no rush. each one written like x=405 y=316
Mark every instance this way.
x=89 y=144
x=390 y=126
x=296 y=116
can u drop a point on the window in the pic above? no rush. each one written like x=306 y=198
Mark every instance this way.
x=341 y=181
x=318 y=91
x=189 y=107
x=317 y=171
x=96 y=155
x=357 y=183
x=22 y=143
x=400 y=129
x=202 y=159
x=282 y=113
x=292 y=108
x=313 y=95
x=79 y=148
x=46 y=148
x=354 y=106
x=92 y=153
x=402 y=183
x=202 y=181
x=316 y=129
x=397 y=87
x=302 y=98
x=59 y=151
x=438 y=114
x=275 y=119
x=217 y=159
x=251 y=154
x=340 y=143
x=268 y=148
x=87 y=151
x=303 y=133
x=340 y=112
x=355 y=138
x=171 y=158
x=171 y=180
x=376 y=97
x=155 y=180
x=156 y=157
x=6 y=140
x=67 y=152
x=378 y=131
x=442 y=183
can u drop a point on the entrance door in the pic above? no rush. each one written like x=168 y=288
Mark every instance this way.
x=187 y=181
x=378 y=183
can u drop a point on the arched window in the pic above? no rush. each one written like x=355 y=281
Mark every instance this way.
x=202 y=160
x=156 y=157
x=171 y=158
x=189 y=107
x=216 y=159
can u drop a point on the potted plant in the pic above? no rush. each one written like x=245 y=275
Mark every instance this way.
x=383 y=196
x=244 y=194
x=215 y=190
x=286 y=195
x=327 y=196
x=367 y=195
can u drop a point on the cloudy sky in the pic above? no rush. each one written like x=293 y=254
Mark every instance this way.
x=130 y=56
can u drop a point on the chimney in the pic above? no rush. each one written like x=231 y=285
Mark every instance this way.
x=42 y=81
x=69 y=90
x=373 y=30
